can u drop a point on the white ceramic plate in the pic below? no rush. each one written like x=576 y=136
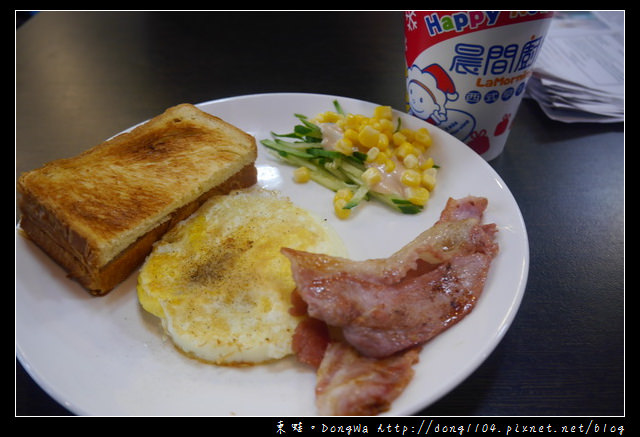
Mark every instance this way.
x=106 y=356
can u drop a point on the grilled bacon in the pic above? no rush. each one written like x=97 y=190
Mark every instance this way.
x=368 y=320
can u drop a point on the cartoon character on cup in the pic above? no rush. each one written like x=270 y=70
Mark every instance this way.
x=430 y=90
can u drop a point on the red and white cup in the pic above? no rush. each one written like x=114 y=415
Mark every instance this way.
x=467 y=70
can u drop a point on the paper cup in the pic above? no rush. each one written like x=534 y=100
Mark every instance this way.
x=467 y=70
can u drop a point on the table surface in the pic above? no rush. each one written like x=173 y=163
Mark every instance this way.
x=83 y=76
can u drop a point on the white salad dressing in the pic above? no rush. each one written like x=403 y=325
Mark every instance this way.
x=390 y=182
x=331 y=133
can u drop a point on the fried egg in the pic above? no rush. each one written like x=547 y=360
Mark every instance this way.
x=219 y=283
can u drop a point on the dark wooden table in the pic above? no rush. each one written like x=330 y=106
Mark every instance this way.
x=83 y=76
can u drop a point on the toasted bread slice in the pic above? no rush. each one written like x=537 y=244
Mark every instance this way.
x=99 y=213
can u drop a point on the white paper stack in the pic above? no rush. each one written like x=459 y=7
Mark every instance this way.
x=579 y=73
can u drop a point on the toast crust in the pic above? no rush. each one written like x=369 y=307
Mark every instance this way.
x=100 y=281
x=94 y=212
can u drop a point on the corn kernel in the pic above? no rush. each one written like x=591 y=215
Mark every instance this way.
x=344 y=145
x=334 y=117
x=350 y=122
x=427 y=163
x=343 y=193
x=398 y=138
x=301 y=175
x=328 y=117
x=410 y=161
x=371 y=176
x=429 y=178
x=382 y=112
x=381 y=158
x=419 y=148
x=408 y=133
x=411 y=178
x=358 y=121
x=405 y=149
x=369 y=137
x=417 y=195
x=372 y=154
x=389 y=165
x=351 y=135
x=339 y=209
x=423 y=137
x=383 y=141
x=375 y=123
x=386 y=126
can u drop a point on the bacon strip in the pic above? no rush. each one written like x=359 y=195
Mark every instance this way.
x=310 y=341
x=387 y=308
x=386 y=305
x=352 y=385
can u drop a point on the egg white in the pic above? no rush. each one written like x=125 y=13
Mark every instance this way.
x=218 y=280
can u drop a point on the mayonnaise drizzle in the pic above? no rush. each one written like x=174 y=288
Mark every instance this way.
x=331 y=133
x=390 y=182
